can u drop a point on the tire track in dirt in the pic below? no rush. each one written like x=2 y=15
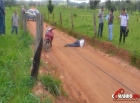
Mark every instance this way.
x=89 y=75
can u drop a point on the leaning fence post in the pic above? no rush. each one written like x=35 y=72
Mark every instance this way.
x=72 y=21
x=94 y=25
x=38 y=46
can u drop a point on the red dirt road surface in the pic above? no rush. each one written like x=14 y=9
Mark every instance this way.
x=89 y=75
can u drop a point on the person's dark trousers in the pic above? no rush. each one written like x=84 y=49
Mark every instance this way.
x=100 y=29
x=122 y=33
x=2 y=24
x=75 y=44
x=14 y=28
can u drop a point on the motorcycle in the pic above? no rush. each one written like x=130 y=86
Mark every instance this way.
x=47 y=42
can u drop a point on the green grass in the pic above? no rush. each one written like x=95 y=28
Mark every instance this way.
x=48 y=100
x=15 y=62
x=83 y=24
x=52 y=84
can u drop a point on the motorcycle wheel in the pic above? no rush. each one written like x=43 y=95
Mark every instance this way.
x=47 y=45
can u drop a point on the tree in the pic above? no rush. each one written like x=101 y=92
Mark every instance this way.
x=117 y=5
x=10 y=3
x=81 y=6
x=131 y=7
x=127 y=4
x=32 y=3
x=108 y=4
x=127 y=1
x=112 y=5
x=50 y=6
x=93 y=3
x=138 y=6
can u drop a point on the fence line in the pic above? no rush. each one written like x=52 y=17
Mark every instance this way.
x=60 y=20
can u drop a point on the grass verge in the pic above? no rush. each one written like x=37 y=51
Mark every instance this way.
x=15 y=62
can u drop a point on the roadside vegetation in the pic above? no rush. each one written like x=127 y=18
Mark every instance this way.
x=52 y=84
x=15 y=62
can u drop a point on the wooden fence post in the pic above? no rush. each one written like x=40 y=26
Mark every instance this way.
x=38 y=46
x=21 y=18
x=72 y=21
x=44 y=17
x=48 y=16
x=94 y=25
x=60 y=19
x=53 y=18
x=24 y=23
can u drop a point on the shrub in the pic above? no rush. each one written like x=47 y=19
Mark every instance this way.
x=81 y=7
x=75 y=15
x=50 y=6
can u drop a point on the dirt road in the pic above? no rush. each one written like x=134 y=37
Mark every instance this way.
x=89 y=75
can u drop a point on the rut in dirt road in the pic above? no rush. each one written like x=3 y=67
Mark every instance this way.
x=89 y=75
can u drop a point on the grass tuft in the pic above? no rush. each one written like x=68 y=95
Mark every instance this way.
x=48 y=100
x=52 y=84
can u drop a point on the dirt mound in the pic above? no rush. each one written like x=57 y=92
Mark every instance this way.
x=111 y=49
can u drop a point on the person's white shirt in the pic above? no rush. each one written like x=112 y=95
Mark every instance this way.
x=124 y=19
x=82 y=41
x=101 y=18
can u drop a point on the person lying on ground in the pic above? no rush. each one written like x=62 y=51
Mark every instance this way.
x=78 y=43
